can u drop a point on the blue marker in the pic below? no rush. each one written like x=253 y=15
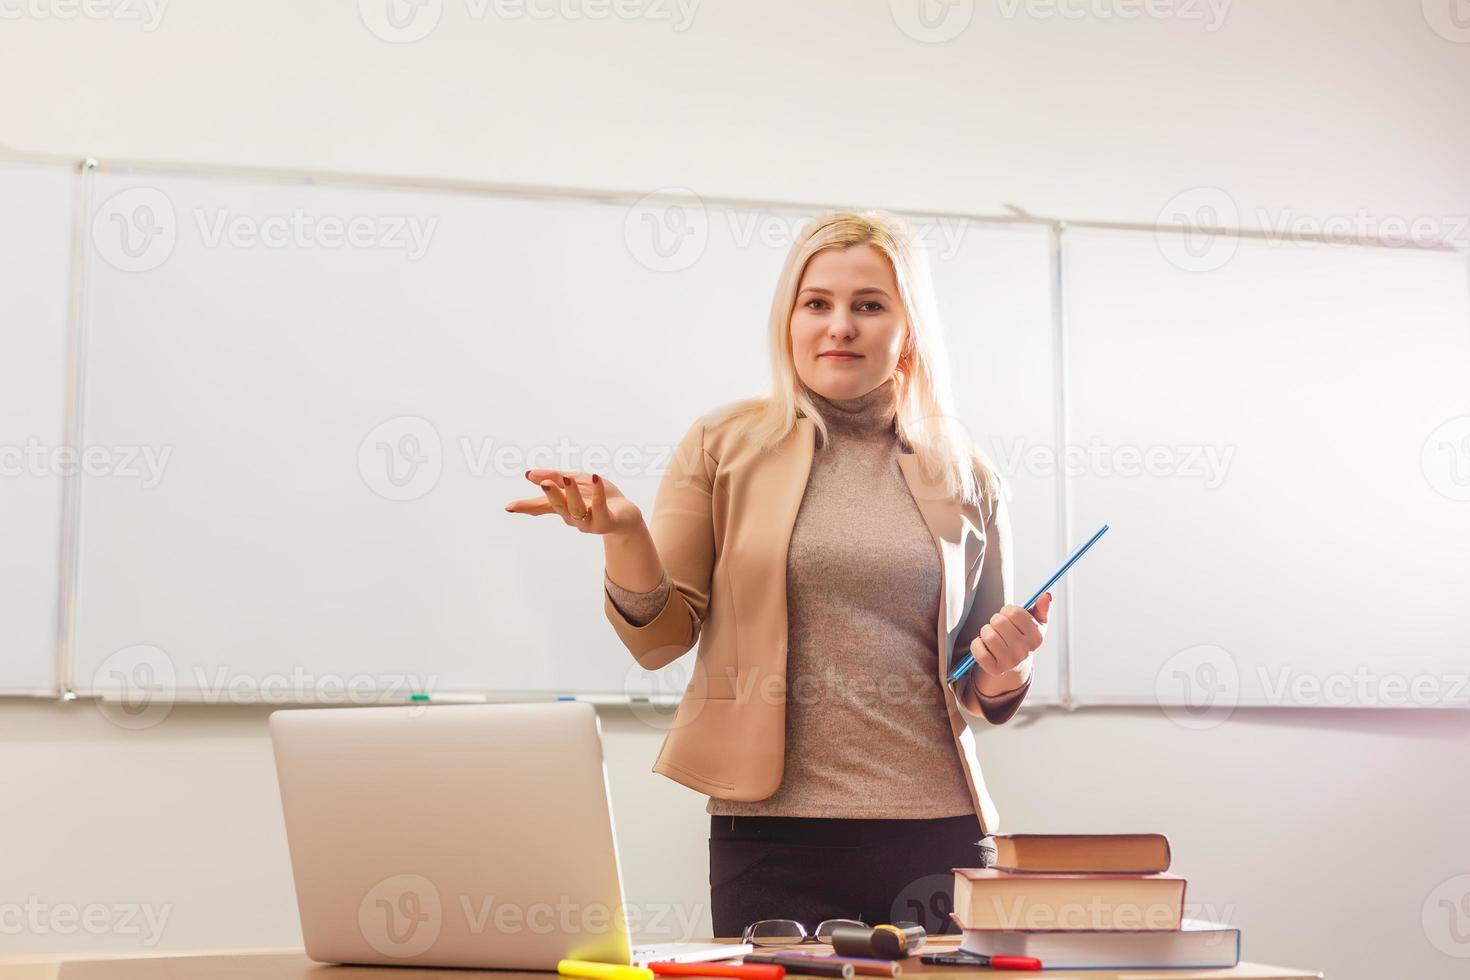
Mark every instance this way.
x=968 y=660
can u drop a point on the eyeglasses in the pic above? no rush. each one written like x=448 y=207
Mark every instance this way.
x=789 y=932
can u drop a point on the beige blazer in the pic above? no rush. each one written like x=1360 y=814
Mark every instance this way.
x=722 y=521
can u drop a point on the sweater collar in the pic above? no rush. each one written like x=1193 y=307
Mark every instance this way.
x=872 y=413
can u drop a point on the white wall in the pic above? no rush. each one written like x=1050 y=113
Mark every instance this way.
x=1324 y=833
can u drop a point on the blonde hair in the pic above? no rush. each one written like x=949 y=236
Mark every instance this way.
x=925 y=411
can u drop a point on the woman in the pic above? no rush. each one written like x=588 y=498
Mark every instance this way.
x=820 y=544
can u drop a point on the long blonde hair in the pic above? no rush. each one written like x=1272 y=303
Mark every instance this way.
x=926 y=421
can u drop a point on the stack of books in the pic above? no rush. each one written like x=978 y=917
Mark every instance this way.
x=1086 y=901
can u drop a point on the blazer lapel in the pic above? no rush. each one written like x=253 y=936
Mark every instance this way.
x=960 y=545
x=778 y=481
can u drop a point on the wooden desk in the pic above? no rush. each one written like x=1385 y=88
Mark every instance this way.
x=293 y=965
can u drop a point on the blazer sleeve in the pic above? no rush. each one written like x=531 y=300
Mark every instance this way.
x=682 y=526
x=995 y=589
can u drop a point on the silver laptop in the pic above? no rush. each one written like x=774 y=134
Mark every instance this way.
x=457 y=835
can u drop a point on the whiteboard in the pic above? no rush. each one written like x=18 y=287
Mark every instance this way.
x=1323 y=557
x=35 y=253
x=995 y=298
x=339 y=424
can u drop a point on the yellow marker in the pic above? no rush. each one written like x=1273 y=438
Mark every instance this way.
x=602 y=971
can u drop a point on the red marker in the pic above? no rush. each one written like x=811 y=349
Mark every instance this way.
x=961 y=958
x=747 y=971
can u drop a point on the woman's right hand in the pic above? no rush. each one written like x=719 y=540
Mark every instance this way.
x=585 y=502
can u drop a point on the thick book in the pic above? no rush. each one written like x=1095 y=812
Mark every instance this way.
x=985 y=898
x=1195 y=945
x=1077 y=853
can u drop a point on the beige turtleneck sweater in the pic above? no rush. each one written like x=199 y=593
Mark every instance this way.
x=867 y=733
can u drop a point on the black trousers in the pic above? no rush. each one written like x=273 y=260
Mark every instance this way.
x=815 y=868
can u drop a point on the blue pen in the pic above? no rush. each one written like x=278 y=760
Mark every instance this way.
x=968 y=660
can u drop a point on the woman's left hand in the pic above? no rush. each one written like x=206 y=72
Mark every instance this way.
x=1010 y=637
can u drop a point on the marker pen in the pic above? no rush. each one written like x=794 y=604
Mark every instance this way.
x=812 y=966
x=980 y=959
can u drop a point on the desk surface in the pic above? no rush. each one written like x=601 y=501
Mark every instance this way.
x=293 y=965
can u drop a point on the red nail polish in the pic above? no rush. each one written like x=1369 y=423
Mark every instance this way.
x=528 y=474
x=596 y=478
x=566 y=481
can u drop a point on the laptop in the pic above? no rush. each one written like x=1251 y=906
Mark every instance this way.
x=457 y=835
